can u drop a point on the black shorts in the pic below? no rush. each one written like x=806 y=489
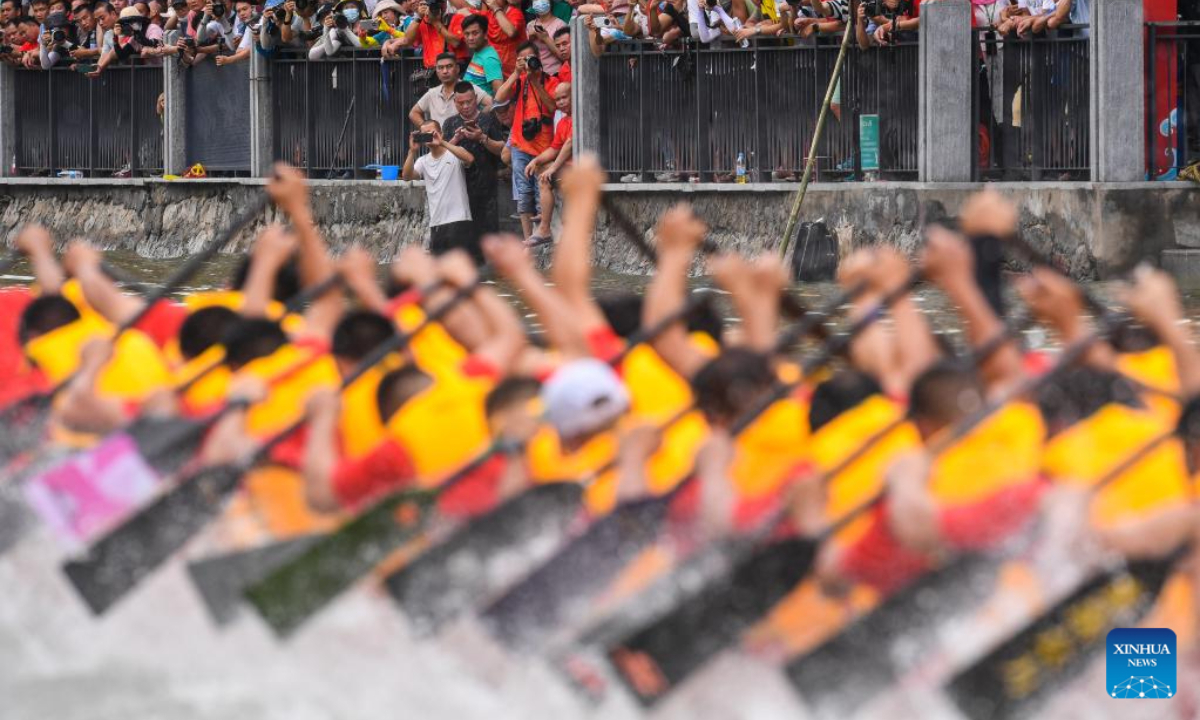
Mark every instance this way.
x=462 y=234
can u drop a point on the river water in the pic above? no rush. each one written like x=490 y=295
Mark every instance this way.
x=156 y=655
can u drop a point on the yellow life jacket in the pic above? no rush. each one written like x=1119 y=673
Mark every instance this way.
x=292 y=372
x=211 y=389
x=236 y=300
x=1154 y=368
x=1082 y=454
x=360 y=426
x=1003 y=451
x=433 y=350
x=136 y=370
x=72 y=290
x=768 y=451
x=863 y=478
x=549 y=462
x=443 y=427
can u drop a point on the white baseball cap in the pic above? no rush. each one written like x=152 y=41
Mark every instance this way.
x=583 y=396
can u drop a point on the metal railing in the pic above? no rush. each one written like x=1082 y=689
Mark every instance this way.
x=66 y=121
x=1031 y=97
x=1173 y=97
x=691 y=112
x=336 y=116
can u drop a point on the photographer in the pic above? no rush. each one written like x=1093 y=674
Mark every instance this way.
x=880 y=22
x=240 y=38
x=87 y=45
x=135 y=37
x=430 y=33
x=339 y=28
x=532 y=132
x=57 y=41
x=295 y=22
x=444 y=173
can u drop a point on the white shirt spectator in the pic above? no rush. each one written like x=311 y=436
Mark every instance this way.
x=445 y=186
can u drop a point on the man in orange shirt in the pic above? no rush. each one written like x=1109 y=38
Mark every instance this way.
x=506 y=31
x=529 y=87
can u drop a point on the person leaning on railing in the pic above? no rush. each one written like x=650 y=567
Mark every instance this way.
x=339 y=28
x=1034 y=16
x=238 y=37
x=885 y=28
x=134 y=37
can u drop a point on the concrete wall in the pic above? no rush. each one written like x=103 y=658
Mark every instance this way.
x=1094 y=230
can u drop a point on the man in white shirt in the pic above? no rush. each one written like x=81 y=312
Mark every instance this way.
x=444 y=173
x=437 y=103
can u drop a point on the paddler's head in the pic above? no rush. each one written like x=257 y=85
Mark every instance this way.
x=356 y=335
x=843 y=392
x=45 y=314
x=1079 y=393
x=583 y=399
x=1188 y=430
x=203 y=329
x=512 y=408
x=942 y=395
x=398 y=387
x=287 y=279
x=623 y=311
x=730 y=384
x=249 y=339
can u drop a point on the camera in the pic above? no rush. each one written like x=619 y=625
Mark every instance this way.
x=423 y=138
x=219 y=9
x=340 y=21
x=601 y=22
x=532 y=127
x=6 y=49
x=533 y=63
x=58 y=36
x=437 y=8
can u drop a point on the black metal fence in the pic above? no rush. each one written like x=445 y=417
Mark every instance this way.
x=218 y=117
x=1031 y=98
x=337 y=116
x=1173 y=97
x=692 y=112
x=104 y=126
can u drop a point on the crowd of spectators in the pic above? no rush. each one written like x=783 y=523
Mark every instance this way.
x=512 y=53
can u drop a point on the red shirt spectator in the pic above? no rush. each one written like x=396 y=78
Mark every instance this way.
x=505 y=44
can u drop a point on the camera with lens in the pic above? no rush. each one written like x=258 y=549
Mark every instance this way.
x=6 y=49
x=437 y=8
x=533 y=63
x=340 y=21
x=219 y=9
x=532 y=127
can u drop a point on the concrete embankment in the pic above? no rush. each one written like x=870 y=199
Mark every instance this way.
x=1095 y=230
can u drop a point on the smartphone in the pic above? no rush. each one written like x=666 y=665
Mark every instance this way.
x=423 y=138
x=370 y=26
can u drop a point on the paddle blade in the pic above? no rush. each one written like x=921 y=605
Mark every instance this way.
x=24 y=423
x=292 y=593
x=654 y=660
x=861 y=661
x=559 y=589
x=120 y=559
x=1024 y=671
x=484 y=556
x=222 y=579
x=167 y=443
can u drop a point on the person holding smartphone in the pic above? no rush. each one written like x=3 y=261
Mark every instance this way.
x=444 y=171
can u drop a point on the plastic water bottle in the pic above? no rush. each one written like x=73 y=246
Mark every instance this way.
x=740 y=168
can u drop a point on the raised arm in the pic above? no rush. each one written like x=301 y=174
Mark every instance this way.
x=510 y=258
x=35 y=243
x=84 y=263
x=679 y=234
x=289 y=190
x=571 y=270
x=505 y=337
x=272 y=250
x=1154 y=299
